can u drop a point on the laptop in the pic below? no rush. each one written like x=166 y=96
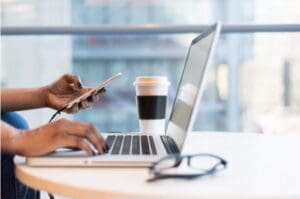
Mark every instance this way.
x=141 y=150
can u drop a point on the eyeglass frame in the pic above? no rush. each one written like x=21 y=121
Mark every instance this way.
x=157 y=174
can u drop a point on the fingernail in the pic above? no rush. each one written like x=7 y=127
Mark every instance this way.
x=79 y=85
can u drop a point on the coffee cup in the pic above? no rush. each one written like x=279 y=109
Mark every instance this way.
x=151 y=101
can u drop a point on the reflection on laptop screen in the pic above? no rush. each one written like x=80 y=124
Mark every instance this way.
x=189 y=87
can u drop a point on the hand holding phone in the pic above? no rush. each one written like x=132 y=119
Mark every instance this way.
x=86 y=95
x=94 y=90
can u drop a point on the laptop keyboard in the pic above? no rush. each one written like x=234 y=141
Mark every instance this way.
x=131 y=144
x=138 y=145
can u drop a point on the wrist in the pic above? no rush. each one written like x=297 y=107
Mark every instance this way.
x=25 y=142
x=43 y=93
x=18 y=141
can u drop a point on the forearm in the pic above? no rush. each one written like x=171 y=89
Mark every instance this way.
x=15 y=99
x=9 y=135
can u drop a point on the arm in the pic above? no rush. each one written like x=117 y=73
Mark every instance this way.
x=47 y=138
x=61 y=133
x=8 y=135
x=14 y=99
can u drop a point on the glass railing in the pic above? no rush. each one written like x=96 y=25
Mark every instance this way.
x=253 y=82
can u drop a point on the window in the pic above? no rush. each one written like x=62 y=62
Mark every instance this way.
x=253 y=80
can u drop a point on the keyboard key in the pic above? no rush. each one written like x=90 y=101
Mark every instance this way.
x=126 y=145
x=117 y=146
x=169 y=144
x=110 y=140
x=154 y=152
x=145 y=146
x=166 y=145
x=136 y=145
x=173 y=145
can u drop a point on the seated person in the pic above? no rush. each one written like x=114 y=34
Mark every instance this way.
x=17 y=139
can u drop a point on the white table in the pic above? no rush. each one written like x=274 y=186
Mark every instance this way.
x=259 y=166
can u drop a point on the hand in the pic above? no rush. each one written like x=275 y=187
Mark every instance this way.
x=58 y=134
x=64 y=90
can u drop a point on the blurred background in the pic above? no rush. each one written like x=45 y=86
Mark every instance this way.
x=253 y=82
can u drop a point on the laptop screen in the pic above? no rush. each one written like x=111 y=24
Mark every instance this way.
x=189 y=89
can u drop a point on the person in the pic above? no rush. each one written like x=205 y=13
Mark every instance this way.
x=18 y=139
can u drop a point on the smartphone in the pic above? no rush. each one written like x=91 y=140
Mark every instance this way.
x=89 y=93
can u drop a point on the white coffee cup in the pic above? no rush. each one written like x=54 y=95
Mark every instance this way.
x=151 y=100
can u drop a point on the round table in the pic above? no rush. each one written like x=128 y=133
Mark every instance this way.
x=259 y=166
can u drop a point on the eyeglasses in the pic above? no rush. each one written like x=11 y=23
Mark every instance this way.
x=196 y=165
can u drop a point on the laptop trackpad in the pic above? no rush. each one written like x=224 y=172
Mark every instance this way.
x=68 y=153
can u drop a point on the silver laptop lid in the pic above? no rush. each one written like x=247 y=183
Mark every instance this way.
x=191 y=84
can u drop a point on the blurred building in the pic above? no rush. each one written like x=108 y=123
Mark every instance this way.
x=251 y=75
x=95 y=58
x=31 y=61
